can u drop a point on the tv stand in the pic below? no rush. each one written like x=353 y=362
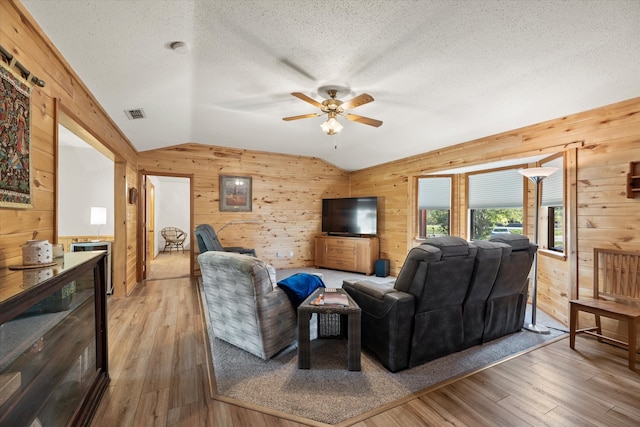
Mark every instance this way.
x=358 y=254
x=347 y=235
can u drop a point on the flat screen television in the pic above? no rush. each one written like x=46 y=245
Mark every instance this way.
x=350 y=216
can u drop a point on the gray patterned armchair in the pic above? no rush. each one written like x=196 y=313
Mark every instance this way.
x=244 y=306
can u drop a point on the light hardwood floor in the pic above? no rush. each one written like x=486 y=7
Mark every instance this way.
x=169 y=265
x=159 y=377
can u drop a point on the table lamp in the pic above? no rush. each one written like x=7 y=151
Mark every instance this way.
x=98 y=217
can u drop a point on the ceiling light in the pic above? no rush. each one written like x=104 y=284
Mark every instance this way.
x=334 y=107
x=179 y=47
x=332 y=125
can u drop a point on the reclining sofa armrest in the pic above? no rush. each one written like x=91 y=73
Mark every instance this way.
x=387 y=321
x=373 y=289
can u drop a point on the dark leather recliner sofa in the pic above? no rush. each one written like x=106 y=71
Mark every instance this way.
x=450 y=295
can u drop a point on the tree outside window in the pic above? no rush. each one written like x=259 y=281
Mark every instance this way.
x=486 y=223
x=495 y=203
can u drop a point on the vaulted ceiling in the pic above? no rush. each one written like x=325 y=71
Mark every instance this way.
x=442 y=72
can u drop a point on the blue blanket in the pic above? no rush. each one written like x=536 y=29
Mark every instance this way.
x=299 y=286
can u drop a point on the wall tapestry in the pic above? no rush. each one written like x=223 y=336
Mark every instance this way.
x=15 y=152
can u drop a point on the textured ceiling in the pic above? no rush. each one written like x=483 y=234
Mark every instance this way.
x=441 y=72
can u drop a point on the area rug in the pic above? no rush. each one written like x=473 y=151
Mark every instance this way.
x=329 y=393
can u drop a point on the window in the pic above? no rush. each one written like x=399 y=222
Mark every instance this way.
x=495 y=203
x=434 y=206
x=553 y=200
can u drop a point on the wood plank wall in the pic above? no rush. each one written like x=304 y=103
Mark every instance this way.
x=23 y=38
x=600 y=143
x=126 y=277
x=288 y=204
x=287 y=196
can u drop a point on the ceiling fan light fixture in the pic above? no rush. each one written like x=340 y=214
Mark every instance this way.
x=331 y=126
x=333 y=108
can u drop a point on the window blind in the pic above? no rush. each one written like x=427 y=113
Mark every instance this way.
x=434 y=193
x=496 y=190
x=553 y=185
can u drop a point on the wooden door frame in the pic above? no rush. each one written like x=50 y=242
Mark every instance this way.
x=149 y=238
x=67 y=118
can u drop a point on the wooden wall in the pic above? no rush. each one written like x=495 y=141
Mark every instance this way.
x=126 y=178
x=288 y=189
x=23 y=38
x=287 y=196
x=599 y=144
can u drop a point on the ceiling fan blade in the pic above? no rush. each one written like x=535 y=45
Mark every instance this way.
x=357 y=101
x=305 y=98
x=364 y=120
x=304 y=116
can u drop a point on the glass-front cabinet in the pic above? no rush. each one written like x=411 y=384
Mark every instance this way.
x=53 y=341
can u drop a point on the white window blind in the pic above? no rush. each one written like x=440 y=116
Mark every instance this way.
x=434 y=193
x=553 y=185
x=496 y=190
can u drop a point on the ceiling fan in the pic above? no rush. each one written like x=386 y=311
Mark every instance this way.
x=333 y=107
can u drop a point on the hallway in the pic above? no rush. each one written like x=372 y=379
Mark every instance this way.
x=169 y=265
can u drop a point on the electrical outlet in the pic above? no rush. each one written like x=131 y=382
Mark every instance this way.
x=291 y=254
x=278 y=254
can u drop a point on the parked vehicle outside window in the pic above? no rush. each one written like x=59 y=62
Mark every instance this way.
x=499 y=230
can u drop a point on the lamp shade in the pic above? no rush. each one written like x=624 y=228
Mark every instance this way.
x=538 y=172
x=332 y=125
x=98 y=216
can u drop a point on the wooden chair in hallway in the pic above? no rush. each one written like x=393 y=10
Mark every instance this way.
x=173 y=238
x=616 y=295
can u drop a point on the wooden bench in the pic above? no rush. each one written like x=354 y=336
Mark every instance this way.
x=616 y=295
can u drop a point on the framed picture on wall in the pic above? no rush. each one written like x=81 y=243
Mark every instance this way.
x=235 y=193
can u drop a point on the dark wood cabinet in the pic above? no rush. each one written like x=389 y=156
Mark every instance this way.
x=53 y=342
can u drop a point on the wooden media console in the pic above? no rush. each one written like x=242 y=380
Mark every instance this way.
x=358 y=254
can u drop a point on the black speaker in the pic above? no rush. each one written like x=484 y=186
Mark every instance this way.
x=382 y=267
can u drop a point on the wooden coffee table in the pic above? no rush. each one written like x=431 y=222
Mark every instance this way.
x=341 y=316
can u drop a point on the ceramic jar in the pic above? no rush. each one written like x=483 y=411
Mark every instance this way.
x=36 y=252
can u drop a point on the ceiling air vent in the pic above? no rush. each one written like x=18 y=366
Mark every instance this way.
x=135 y=114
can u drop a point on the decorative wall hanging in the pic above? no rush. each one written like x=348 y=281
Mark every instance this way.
x=133 y=195
x=15 y=151
x=235 y=193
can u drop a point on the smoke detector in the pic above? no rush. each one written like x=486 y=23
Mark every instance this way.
x=179 y=47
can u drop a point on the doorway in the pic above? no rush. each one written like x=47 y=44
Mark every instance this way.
x=85 y=183
x=167 y=203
